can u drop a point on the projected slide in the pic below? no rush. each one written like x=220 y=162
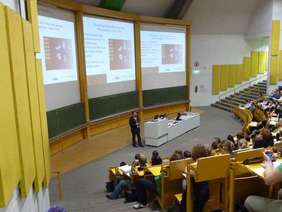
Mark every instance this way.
x=163 y=50
x=57 y=39
x=109 y=50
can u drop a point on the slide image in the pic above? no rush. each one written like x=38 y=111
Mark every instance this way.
x=58 y=53
x=171 y=54
x=120 y=54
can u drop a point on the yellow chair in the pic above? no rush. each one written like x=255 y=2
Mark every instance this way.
x=171 y=182
x=246 y=182
x=215 y=170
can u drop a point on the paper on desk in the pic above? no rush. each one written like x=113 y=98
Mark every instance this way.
x=126 y=169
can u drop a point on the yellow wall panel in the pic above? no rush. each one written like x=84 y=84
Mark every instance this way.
x=240 y=73
x=274 y=65
x=247 y=68
x=262 y=62
x=44 y=128
x=254 y=63
x=17 y=57
x=275 y=39
x=34 y=105
x=215 y=79
x=9 y=152
x=33 y=18
x=224 y=78
x=280 y=65
x=232 y=75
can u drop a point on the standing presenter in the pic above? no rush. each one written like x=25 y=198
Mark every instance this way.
x=134 y=123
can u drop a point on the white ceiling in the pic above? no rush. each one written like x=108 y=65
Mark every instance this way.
x=221 y=16
x=140 y=7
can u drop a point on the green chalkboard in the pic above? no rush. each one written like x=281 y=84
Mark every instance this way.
x=109 y=105
x=164 y=96
x=65 y=119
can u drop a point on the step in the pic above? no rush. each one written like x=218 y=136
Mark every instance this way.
x=227 y=104
x=249 y=96
x=221 y=107
x=243 y=97
x=235 y=99
x=231 y=101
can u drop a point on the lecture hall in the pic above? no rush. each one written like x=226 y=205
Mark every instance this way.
x=141 y=105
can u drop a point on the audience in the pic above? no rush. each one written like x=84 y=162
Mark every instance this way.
x=156 y=159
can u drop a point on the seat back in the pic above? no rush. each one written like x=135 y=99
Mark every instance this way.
x=212 y=168
x=251 y=153
x=176 y=168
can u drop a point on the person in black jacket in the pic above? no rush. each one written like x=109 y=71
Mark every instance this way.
x=135 y=129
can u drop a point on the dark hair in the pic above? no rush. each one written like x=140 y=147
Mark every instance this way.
x=155 y=154
x=230 y=138
x=227 y=146
x=240 y=136
x=199 y=151
x=214 y=145
x=187 y=154
x=122 y=163
x=137 y=157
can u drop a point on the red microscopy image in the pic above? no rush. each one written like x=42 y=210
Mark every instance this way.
x=120 y=54
x=171 y=54
x=58 y=53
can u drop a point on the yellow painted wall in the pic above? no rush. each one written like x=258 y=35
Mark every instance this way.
x=215 y=79
x=24 y=152
x=224 y=77
x=10 y=169
x=232 y=76
x=280 y=65
x=240 y=74
x=247 y=68
x=275 y=44
x=263 y=62
x=254 y=63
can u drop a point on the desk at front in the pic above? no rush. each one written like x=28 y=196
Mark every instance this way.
x=160 y=131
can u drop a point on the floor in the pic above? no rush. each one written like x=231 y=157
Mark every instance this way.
x=84 y=188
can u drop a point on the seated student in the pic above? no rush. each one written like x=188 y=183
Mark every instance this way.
x=231 y=138
x=156 y=159
x=272 y=175
x=227 y=147
x=263 y=140
x=201 y=189
x=242 y=142
x=125 y=183
x=177 y=155
x=187 y=154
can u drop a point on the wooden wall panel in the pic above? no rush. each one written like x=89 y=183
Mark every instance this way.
x=33 y=18
x=280 y=65
x=43 y=119
x=17 y=58
x=274 y=65
x=224 y=78
x=215 y=79
x=9 y=152
x=240 y=73
x=263 y=62
x=247 y=68
x=254 y=63
x=275 y=38
x=34 y=104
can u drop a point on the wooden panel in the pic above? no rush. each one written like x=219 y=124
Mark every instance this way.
x=263 y=61
x=15 y=37
x=9 y=151
x=224 y=77
x=274 y=65
x=43 y=119
x=247 y=68
x=215 y=79
x=34 y=105
x=254 y=63
x=33 y=18
x=280 y=65
x=232 y=75
x=275 y=39
x=240 y=73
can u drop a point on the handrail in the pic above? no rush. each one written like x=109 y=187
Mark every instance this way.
x=237 y=88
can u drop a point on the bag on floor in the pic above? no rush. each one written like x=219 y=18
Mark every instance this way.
x=110 y=186
x=57 y=209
